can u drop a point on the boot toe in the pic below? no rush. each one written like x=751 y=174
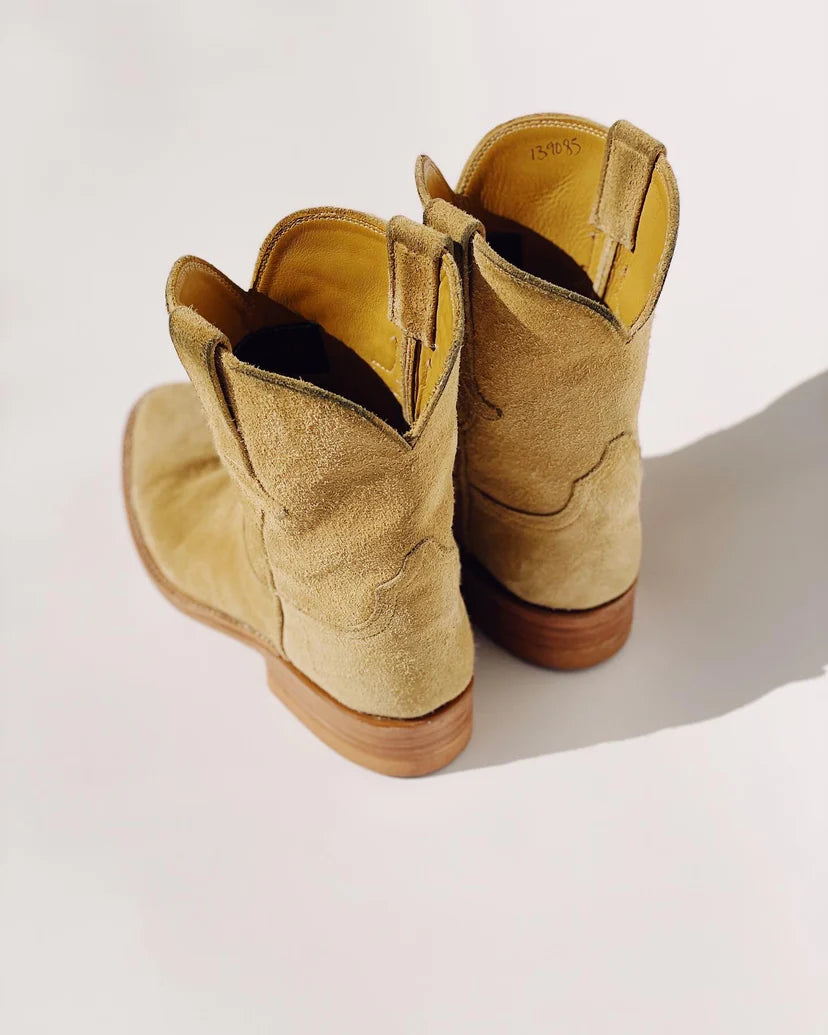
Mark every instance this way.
x=188 y=519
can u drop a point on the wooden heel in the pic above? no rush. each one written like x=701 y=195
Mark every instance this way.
x=541 y=635
x=394 y=747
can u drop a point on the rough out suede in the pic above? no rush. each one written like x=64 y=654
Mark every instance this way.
x=293 y=511
x=564 y=231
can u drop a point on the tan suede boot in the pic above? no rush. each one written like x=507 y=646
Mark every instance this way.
x=564 y=231
x=299 y=494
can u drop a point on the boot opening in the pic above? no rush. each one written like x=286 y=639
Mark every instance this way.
x=534 y=183
x=318 y=312
x=535 y=254
x=330 y=268
x=274 y=338
x=303 y=350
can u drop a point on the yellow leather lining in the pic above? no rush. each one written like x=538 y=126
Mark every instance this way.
x=636 y=277
x=329 y=266
x=543 y=172
x=334 y=271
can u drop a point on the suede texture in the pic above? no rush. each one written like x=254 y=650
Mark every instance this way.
x=197 y=527
x=558 y=326
x=291 y=509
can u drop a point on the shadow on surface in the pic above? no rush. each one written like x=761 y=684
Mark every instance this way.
x=732 y=600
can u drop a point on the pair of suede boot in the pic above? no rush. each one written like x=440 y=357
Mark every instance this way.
x=385 y=392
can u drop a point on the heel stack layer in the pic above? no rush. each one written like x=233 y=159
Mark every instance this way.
x=394 y=747
x=553 y=639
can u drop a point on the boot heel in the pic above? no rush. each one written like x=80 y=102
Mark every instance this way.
x=394 y=747
x=553 y=639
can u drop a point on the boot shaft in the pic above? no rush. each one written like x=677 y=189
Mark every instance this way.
x=564 y=232
x=348 y=513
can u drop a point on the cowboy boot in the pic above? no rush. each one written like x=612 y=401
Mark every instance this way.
x=298 y=493
x=564 y=231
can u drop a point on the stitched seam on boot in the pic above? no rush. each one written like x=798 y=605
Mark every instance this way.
x=668 y=196
x=340 y=401
x=479 y=407
x=384 y=610
x=578 y=495
x=265 y=579
x=530 y=122
x=548 y=289
x=330 y=215
x=272 y=577
x=216 y=276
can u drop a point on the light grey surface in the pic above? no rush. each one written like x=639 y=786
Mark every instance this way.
x=637 y=849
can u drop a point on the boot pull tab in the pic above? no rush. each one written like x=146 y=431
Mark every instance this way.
x=629 y=161
x=451 y=220
x=461 y=228
x=415 y=256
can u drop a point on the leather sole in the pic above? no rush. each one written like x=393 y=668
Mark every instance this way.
x=393 y=747
x=553 y=639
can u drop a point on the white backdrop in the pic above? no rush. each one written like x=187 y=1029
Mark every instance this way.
x=637 y=849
